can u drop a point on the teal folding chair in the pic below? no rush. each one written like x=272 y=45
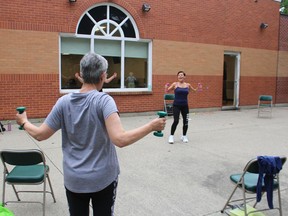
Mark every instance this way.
x=168 y=103
x=246 y=182
x=265 y=104
x=25 y=167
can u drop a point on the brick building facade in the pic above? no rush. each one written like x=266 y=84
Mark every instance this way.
x=282 y=70
x=194 y=36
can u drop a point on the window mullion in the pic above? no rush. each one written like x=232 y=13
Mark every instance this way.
x=119 y=27
x=108 y=20
x=122 y=64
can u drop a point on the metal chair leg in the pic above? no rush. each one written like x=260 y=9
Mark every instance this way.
x=52 y=192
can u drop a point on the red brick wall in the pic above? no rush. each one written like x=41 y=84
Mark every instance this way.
x=214 y=22
x=283 y=35
x=282 y=90
x=29 y=58
x=28 y=52
x=37 y=93
x=282 y=75
x=252 y=87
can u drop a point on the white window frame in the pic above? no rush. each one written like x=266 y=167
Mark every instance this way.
x=109 y=36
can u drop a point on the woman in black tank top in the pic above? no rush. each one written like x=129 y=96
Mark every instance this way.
x=180 y=105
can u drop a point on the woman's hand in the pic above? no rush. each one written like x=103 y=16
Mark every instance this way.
x=21 y=118
x=158 y=124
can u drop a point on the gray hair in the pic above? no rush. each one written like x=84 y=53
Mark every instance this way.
x=92 y=66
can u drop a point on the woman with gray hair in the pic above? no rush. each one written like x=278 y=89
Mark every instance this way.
x=91 y=127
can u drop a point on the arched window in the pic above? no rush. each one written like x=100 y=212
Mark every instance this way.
x=111 y=32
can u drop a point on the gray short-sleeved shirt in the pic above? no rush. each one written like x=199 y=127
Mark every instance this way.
x=89 y=157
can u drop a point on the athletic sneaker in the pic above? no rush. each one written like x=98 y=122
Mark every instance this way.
x=171 y=139
x=184 y=139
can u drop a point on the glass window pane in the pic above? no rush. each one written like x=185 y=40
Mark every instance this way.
x=116 y=15
x=136 y=49
x=70 y=64
x=136 y=54
x=114 y=67
x=99 y=13
x=75 y=45
x=111 y=50
x=137 y=68
x=107 y=47
x=85 y=26
x=128 y=29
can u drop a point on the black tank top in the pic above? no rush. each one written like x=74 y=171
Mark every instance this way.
x=181 y=96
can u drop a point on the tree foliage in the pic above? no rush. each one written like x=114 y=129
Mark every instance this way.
x=284 y=7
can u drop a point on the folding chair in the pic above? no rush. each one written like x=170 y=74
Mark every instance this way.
x=168 y=103
x=247 y=183
x=265 y=103
x=25 y=167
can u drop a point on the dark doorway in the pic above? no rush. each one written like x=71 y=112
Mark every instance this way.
x=230 y=81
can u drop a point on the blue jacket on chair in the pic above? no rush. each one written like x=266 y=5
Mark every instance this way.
x=268 y=165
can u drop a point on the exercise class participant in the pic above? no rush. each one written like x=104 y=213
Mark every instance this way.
x=91 y=127
x=180 y=105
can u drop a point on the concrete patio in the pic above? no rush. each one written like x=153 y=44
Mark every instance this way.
x=183 y=179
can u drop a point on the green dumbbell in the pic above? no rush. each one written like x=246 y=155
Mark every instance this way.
x=20 y=111
x=161 y=114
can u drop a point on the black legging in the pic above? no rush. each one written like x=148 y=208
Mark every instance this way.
x=176 y=114
x=102 y=201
